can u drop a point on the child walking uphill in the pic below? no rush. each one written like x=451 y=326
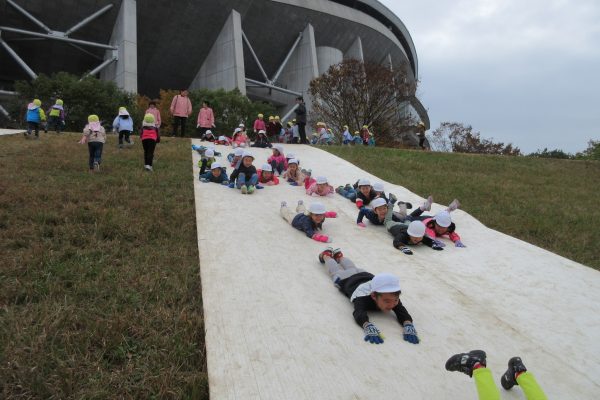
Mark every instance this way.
x=95 y=136
x=123 y=124
x=310 y=222
x=35 y=116
x=318 y=187
x=259 y=124
x=155 y=112
x=245 y=176
x=150 y=137
x=56 y=116
x=368 y=292
x=217 y=174
x=293 y=175
x=278 y=160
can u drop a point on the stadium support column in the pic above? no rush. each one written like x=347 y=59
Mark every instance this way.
x=224 y=65
x=355 y=51
x=301 y=68
x=124 y=36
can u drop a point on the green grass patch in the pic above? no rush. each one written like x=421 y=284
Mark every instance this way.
x=99 y=275
x=551 y=203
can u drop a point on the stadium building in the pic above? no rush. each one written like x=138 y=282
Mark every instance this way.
x=268 y=49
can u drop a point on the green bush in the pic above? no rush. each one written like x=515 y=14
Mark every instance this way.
x=81 y=98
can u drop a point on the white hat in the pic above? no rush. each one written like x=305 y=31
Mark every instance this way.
x=238 y=152
x=237 y=130
x=215 y=165
x=385 y=283
x=378 y=187
x=208 y=132
x=222 y=139
x=293 y=161
x=364 y=182
x=321 y=180
x=416 y=229
x=247 y=154
x=123 y=111
x=290 y=155
x=242 y=126
x=316 y=208
x=378 y=202
x=209 y=153
x=267 y=167
x=262 y=131
x=443 y=219
x=279 y=148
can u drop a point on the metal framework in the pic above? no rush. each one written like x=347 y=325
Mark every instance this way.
x=59 y=36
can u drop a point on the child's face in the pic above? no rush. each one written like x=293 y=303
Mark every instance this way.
x=416 y=240
x=381 y=211
x=386 y=301
x=365 y=189
x=440 y=230
x=152 y=106
x=247 y=161
x=216 y=172
x=267 y=175
x=321 y=187
x=293 y=167
x=276 y=152
x=317 y=218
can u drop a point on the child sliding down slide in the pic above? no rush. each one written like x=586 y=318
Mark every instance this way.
x=308 y=222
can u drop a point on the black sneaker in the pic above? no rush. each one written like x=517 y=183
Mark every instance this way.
x=408 y=205
x=464 y=362
x=327 y=252
x=515 y=365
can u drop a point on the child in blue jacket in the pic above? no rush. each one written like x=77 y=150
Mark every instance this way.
x=308 y=222
x=217 y=174
x=123 y=124
x=35 y=116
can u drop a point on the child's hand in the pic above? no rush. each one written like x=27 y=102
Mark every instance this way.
x=226 y=183
x=359 y=203
x=361 y=224
x=321 y=238
x=405 y=250
x=231 y=185
x=204 y=180
x=372 y=334
x=330 y=214
x=410 y=333
x=439 y=243
x=458 y=243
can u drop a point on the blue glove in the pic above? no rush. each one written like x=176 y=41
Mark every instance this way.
x=231 y=185
x=226 y=183
x=294 y=183
x=405 y=250
x=204 y=180
x=259 y=187
x=410 y=334
x=437 y=247
x=372 y=334
x=194 y=147
x=458 y=243
x=438 y=243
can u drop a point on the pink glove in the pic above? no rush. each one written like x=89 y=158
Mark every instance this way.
x=321 y=238
x=359 y=203
x=361 y=224
x=330 y=214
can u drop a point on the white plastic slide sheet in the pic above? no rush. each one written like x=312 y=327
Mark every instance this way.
x=11 y=131
x=277 y=328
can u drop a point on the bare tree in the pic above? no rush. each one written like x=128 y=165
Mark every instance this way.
x=354 y=93
x=459 y=138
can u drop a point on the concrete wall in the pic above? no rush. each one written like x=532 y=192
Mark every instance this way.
x=328 y=56
x=224 y=65
x=124 y=36
x=355 y=51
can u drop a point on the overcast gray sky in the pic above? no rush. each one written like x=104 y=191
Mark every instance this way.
x=520 y=71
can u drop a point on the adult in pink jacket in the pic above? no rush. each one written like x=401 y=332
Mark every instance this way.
x=206 y=118
x=181 y=108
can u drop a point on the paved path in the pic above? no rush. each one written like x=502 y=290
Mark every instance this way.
x=276 y=327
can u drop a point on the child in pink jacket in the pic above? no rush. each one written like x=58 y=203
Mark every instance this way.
x=278 y=160
x=259 y=124
x=318 y=187
x=441 y=225
x=240 y=139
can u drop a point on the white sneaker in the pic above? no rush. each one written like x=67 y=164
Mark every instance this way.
x=454 y=205
x=147 y=168
x=427 y=204
x=298 y=207
x=244 y=189
x=96 y=167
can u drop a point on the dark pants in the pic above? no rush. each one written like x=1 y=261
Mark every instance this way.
x=33 y=126
x=149 y=146
x=278 y=167
x=302 y=132
x=95 y=150
x=124 y=134
x=202 y=132
x=55 y=123
x=179 y=121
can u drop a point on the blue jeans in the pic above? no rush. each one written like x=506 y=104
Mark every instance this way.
x=95 y=149
x=33 y=126
x=241 y=180
x=350 y=194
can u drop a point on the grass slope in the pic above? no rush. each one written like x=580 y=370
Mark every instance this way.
x=553 y=204
x=99 y=279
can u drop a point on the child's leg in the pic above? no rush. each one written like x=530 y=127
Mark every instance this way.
x=280 y=168
x=241 y=181
x=388 y=222
x=274 y=165
x=98 y=152
x=337 y=271
x=530 y=387
x=348 y=265
x=91 y=152
x=287 y=214
x=486 y=388
x=350 y=194
x=127 y=133
x=121 y=134
x=36 y=126
x=253 y=180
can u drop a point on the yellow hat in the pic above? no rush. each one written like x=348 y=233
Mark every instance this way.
x=370 y=133
x=345 y=126
x=59 y=102
x=93 y=118
x=271 y=118
x=277 y=117
x=356 y=132
x=320 y=123
x=122 y=108
x=329 y=129
x=149 y=118
x=260 y=115
x=37 y=102
x=365 y=126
